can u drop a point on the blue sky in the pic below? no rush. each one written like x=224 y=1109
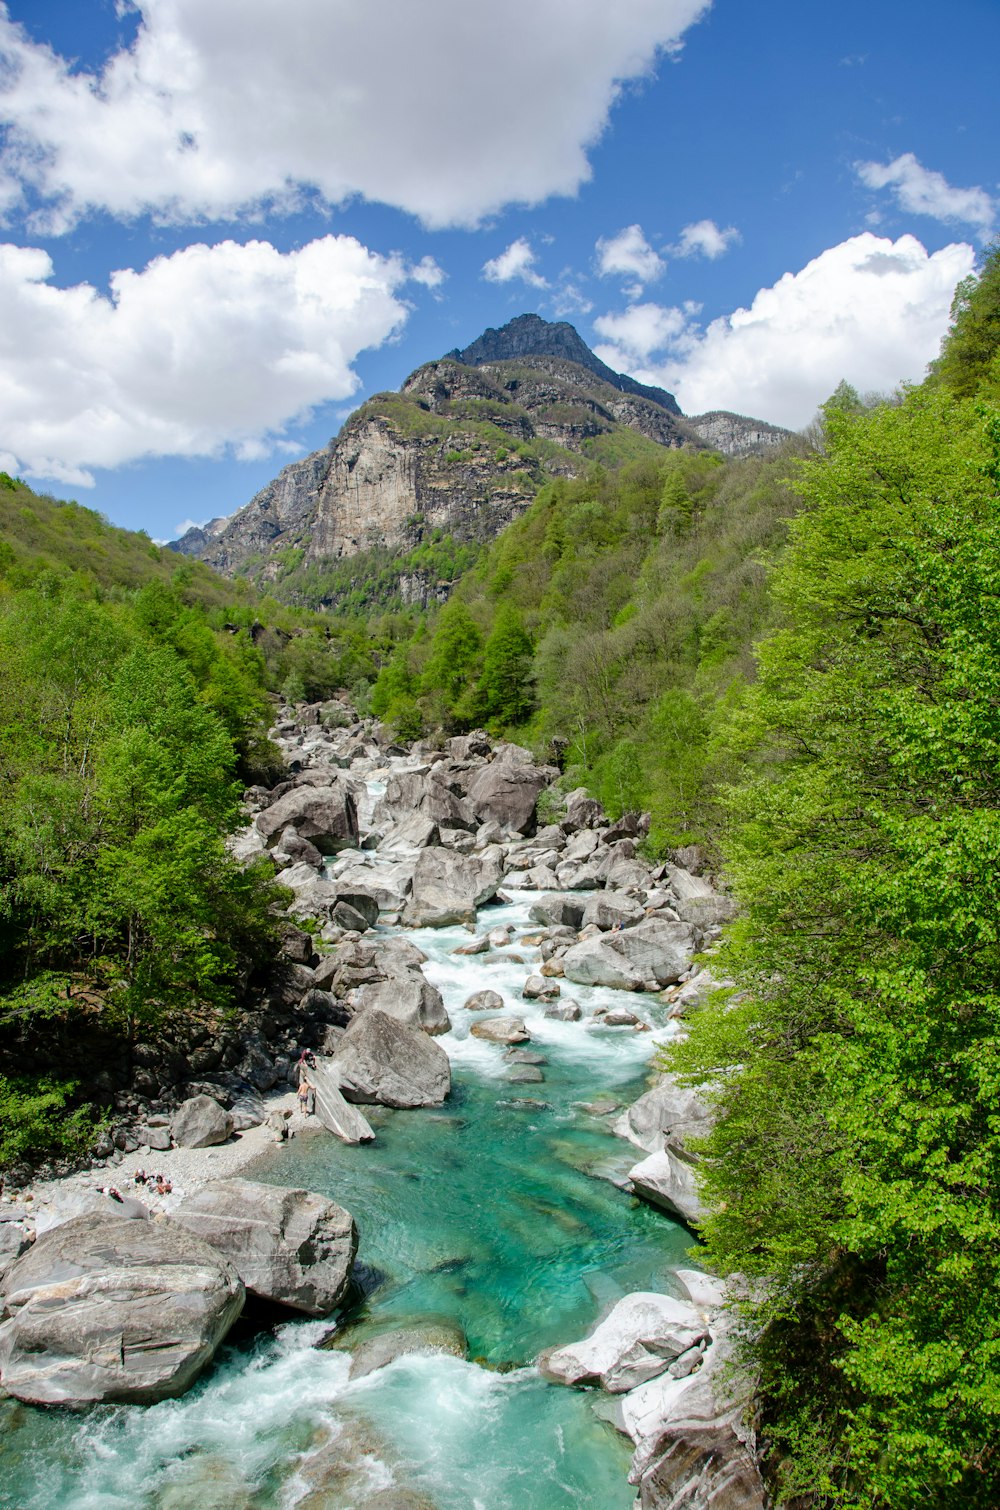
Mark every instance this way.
x=225 y=222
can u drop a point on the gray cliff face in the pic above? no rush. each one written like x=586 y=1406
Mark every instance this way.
x=735 y=434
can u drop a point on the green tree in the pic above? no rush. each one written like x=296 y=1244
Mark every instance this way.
x=506 y=679
x=854 y=1165
x=454 y=659
x=969 y=353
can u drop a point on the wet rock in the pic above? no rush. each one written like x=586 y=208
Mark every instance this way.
x=200 y=1122
x=424 y=1338
x=480 y=945
x=618 y=1017
x=294 y=1247
x=501 y=1030
x=484 y=1001
x=526 y=1074
x=642 y=1336
x=384 y=1061
x=106 y=1309
x=538 y=988
x=566 y=1010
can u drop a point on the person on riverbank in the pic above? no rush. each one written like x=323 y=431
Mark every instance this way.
x=306 y=1095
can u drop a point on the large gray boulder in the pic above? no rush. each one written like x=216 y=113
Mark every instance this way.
x=199 y=1122
x=501 y=1030
x=669 y=1115
x=506 y=793
x=652 y=953
x=325 y=815
x=610 y=909
x=337 y=1114
x=558 y=911
x=448 y=887
x=382 y=1061
x=290 y=1246
x=639 y=1340
x=416 y=831
x=409 y=998
x=106 y=1309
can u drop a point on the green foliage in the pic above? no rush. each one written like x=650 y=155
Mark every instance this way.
x=506 y=675
x=854 y=1166
x=36 y=1120
x=970 y=354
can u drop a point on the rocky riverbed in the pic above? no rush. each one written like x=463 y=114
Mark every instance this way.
x=483 y=991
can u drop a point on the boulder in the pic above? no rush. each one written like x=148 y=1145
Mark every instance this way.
x=409 y=998
x=669 y=1115
x=290 y=1246
x=597 y=962
x=558 y=911
x=639 y=1340
x=539 y=988
x=506 y=793
x=582 y=811
x=484 y=1001
x=501 y=1030
x=106 y=1309
x=336 y=1114
x=610 y=909
x=361 y=901
x=325 y=815
x=448 y=887
x=566 y=1010
x=380 y=1060
x=200 y=1122
x=670 y=1182
x=416 y=831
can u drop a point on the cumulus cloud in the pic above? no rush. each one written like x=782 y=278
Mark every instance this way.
x=924 y=192
x=704 y=239
x=216 y=108
x=515 y=262
x=629 y=255
x=211 y=347
x=870 y=310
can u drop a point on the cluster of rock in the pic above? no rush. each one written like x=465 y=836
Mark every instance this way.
x=663 y=1364
x=111 y=1304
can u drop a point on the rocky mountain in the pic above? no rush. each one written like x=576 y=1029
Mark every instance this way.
x=456 y=454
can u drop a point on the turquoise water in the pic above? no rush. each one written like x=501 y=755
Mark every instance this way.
x=489 y=1211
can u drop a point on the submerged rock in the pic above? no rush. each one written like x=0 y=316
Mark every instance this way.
x=369 y=1353
x=290 y=1246
x=107 y=1309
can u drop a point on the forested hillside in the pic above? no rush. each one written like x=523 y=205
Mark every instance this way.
x=134 y=696
x=854 y=1168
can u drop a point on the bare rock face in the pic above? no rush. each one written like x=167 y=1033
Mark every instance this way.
x=290 y=1246
x=380 y=1060
x=325 y=815
x=669 y=1181
x=448 y=887
x=199 y=1122
x=103 y=1309
x=409 y=998
x=638 y=1341
x=669 y=1115
x=653 y=952
x=558 y=911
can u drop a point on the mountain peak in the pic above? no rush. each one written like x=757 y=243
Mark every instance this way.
x=529 y=335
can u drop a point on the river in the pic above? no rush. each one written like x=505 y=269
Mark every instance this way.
x=493 y=1211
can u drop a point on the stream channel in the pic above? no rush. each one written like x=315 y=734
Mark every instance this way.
x=490 y=1211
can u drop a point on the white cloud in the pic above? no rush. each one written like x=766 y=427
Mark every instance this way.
x=218 y=107
x=214 y=346
x=704 y=239
x=517 y=261
x=870 y=310
x=629 y=255
x=924 y=192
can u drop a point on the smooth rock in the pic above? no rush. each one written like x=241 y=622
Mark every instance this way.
x=566 y=1010
x=609 y=909
x=506 y=793
x=669 y=1115
x=291 y=1246
x=106 y=1309
x=337 y=1114
x=501 y=1030
x=382 y=1060
x=483 y=1001
x=327 y=816
x=448 y=887
x=670 y=1182
x=200 y=1122
x=409 y=998
x=644 y=1333
x=423 y=1338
